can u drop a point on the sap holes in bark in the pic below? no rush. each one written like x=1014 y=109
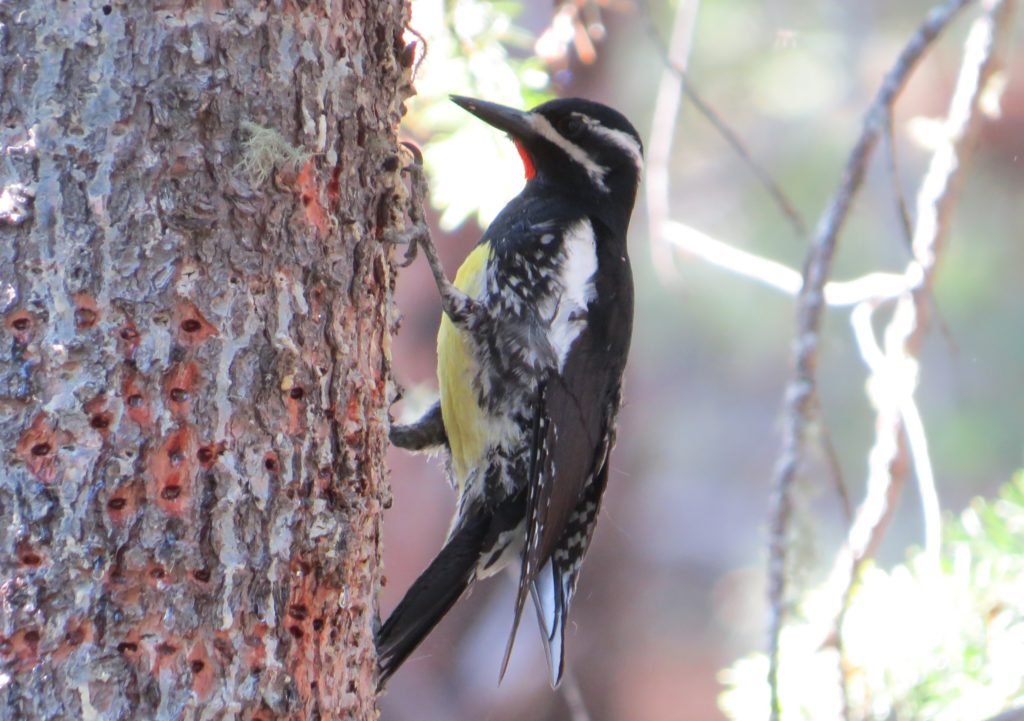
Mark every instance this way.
x=170 y=492
x=85 y=318
x=270 y=462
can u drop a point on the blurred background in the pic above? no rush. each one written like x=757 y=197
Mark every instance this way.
x=673 y=589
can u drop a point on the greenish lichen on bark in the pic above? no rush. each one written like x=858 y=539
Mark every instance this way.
x=194 y=370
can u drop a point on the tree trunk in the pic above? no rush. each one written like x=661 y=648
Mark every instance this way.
x=194 y=376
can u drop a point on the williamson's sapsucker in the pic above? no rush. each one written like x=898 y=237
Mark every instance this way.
x=531 y=350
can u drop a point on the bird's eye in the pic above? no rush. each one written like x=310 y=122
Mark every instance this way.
x=572 y=126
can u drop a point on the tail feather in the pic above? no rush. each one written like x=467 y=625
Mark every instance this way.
x=552 y=592
x=430 y=597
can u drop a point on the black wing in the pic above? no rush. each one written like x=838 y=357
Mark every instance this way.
x=574 y=413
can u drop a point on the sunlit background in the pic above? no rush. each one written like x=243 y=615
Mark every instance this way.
x=673 y=590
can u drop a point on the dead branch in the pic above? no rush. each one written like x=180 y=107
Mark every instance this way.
x=659 y=144
x=893 y=365
x=801 y=398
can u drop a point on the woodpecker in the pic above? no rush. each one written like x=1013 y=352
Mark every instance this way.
x=531 y=350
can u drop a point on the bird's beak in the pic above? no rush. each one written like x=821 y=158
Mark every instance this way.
x=514 y=122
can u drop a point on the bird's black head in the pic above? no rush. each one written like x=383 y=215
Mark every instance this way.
x=578 y=146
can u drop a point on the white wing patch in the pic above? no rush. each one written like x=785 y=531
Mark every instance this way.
x=576 y=277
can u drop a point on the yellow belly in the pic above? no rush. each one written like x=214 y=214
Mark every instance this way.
x=464 y=421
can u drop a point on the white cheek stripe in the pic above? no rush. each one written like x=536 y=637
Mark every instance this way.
x=548 y=132
x=625 y=141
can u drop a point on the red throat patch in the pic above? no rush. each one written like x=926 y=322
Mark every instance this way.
x=528 y=167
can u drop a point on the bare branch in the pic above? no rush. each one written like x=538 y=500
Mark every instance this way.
x=801 y=397
x=659 y=145
x=873 y=286
x=894 y=365
x=673 y=81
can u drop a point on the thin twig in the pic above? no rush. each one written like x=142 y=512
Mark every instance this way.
x=659 y=144
x=902 y=211
x=800 y=399
x=789 y=211
x=778 y=276
x=893 y=366
x=906 y=223
x=573 y=696
x=658 y=150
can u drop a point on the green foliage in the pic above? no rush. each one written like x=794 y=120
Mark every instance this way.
x=919 y=642
x=476 y=49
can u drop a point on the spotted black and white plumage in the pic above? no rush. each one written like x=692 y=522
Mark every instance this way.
x=531 y=352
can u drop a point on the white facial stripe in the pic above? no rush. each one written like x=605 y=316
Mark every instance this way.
x=548 y=132
x=625 y=141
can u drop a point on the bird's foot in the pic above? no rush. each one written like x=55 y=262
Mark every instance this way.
x=457 y=305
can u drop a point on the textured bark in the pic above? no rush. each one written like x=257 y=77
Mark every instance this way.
x=194 y=370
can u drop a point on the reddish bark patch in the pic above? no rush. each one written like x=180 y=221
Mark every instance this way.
x=202 y=669
x=28 y=556
x=123 y=504
x=128 y=339
x=136 y=403
x=270 y=462
x=171 y=468
x=20 y=650
x=37 y=447
x=180 y=384
x=167 y=652
x=155 y=575
x=100 y=419
x=130 y=645
x=193 y=328
x=309 y=195
x=77 y=631
x=295 y=403
x=256 y=647
x=87 y=313
x=261 y=713
x=334 y=186
x=207 y=455
x=21 y=324
x=353 y=421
